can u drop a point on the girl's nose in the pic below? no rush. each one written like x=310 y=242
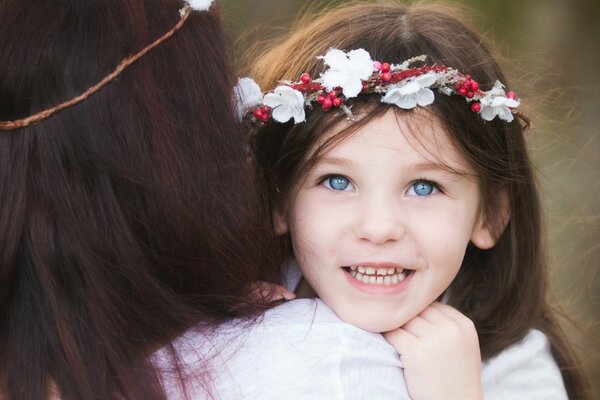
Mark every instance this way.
x=379 y=220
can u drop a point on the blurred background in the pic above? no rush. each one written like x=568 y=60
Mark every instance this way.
x=552 y=51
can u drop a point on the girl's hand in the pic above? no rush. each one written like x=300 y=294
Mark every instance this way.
x=440 y=353
x=270 y=292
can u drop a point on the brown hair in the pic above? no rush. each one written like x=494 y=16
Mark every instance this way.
x=128 y=218
x=503 y=290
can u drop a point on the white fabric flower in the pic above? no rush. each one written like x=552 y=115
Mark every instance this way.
x=500 y=106
x=199 y=5
x=347 y=70
x=247 y=95
x=286 y=103
x=410 y=94
x=495 y=103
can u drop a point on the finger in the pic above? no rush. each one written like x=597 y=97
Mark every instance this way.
x=434 y=314
x=456 y=317
x=449 y=312
x=286 y=294
x=270 y=291
x=401 y=339
x=418 y=326
x=275 y=292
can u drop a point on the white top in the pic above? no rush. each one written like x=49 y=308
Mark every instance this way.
x=525 y=371
x=303 y=350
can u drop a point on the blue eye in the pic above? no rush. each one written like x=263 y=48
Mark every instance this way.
x=337 y=182
x=422 y=188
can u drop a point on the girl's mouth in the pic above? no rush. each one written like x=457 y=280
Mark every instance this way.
x=378 y=275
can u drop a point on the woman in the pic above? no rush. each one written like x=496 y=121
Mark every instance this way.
x=127 y=212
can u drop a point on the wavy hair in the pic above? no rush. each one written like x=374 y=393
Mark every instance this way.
x=128 y=218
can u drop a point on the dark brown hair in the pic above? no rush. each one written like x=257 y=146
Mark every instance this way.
x=128 y=218
x=503 y=290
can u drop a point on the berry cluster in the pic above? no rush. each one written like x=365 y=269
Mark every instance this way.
x=262 y=113
x=468 y=88
x=330 y=100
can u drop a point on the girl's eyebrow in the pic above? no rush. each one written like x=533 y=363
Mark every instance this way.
x=439 y=167
x=336 y=161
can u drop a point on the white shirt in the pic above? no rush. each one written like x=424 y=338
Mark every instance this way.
x=524 y=371
x=303 y=350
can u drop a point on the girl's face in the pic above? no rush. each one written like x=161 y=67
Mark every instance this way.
x=380 y=225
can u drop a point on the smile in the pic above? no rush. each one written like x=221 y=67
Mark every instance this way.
x=378 y=276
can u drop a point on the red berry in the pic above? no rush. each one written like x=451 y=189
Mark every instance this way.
x=320 y=99
x=327 y=104
x=386 y=76
x=264 y=117
x=476 y=107
x=305 y=77
x=511 y=95
x=475 y=86
x=337 y=102
x=463 y=91
x=258 y=113
x=470 y=95
x=332 y=94
x=385 y=67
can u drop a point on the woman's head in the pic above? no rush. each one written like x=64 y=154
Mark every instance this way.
x=495 y=287
x=127 y=217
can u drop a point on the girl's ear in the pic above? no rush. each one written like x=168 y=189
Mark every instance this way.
x=280 y=223
x=485 y=232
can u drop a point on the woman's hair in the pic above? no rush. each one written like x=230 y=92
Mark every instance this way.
x=504 y=289
x=128 y=218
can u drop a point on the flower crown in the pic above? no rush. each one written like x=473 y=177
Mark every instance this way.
x=184 y=13
x=353 y=73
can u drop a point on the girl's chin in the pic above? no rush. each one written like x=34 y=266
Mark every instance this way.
x=371 y=322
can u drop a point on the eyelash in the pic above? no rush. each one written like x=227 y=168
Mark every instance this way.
x=323 y=182
x=436 y=187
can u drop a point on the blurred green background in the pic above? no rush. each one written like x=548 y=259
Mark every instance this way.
x=552 y=50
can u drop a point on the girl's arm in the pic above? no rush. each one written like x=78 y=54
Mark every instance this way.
x=440 y=353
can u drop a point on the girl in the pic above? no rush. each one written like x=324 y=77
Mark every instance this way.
x=396 y=180
x=117 y=231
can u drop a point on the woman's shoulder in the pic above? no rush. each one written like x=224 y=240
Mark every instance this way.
x=302 y=329
x=525 y=370
x=300 y=349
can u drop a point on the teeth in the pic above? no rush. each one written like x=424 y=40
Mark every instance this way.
x=383 y=276
x=376 y=271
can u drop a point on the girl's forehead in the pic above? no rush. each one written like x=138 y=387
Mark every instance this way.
x=417 y=136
